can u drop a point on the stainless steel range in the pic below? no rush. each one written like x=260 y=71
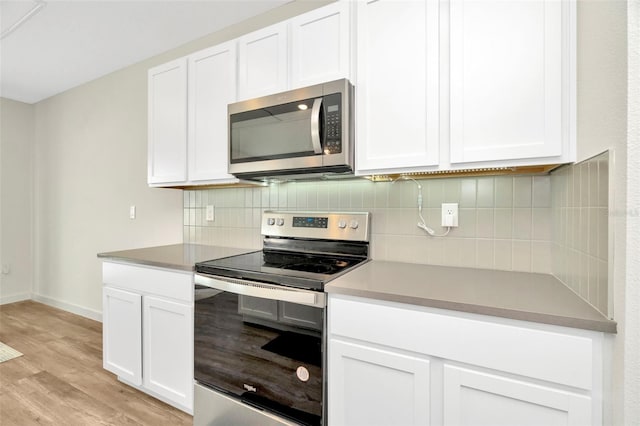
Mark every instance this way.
x=260 y=321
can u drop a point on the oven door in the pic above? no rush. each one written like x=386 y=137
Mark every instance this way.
x=262 y=344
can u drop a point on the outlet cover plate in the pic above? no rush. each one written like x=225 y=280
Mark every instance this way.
x=210 y=214
x=450 y=215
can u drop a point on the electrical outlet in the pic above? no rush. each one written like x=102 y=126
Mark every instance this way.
x=210 y=215
x=450 y=214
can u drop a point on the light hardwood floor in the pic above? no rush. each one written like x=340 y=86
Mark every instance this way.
x=60 y=380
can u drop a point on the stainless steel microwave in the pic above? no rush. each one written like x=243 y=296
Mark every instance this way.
x=302 y=133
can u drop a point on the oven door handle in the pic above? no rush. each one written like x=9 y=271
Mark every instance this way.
x=264 y=291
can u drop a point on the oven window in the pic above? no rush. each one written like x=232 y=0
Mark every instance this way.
x=268 y=353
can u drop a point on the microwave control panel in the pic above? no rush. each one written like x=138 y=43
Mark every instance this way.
x=333 y=123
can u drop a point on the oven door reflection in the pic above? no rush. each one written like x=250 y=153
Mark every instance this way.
x=269 y=353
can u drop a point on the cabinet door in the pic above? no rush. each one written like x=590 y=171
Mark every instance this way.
x=477 y=398
x=122 y=334
x=397 y=97
x=370 y=386
x=262 y=61
x=212 y=85
x=509 y=87
x=167 y=127
x=320 y=45
x=168 y=350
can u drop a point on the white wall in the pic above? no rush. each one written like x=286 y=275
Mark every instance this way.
x=91 y=162
x=601 y=76
x=91 y=154
x=607 y=80
x=16 y=200
x=632 y=293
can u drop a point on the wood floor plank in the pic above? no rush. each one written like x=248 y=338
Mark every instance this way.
x=60 y=380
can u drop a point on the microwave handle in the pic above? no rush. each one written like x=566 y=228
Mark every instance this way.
x=315 y=125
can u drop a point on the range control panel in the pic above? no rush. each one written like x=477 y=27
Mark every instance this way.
x=351 y=226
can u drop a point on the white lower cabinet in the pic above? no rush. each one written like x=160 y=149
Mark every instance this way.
x=392 y=363
x=168 y=357
x=373 y=386
x=148 y=330
x=122 y=334
x=477 y=398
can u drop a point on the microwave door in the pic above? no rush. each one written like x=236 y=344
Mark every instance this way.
x=288 y=131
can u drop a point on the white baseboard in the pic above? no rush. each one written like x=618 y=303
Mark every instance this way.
x=74 y=309
x=14 y=298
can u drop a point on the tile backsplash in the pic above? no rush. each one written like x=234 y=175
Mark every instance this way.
x=505 y=221
x=580 y=200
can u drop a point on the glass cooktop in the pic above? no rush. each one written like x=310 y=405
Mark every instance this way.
x=301 y=270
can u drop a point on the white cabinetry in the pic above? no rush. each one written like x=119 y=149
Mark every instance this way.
x=188 y=118
x=444 y=367
x=167 y=130
x=397 y=93
x=212 y=85
x=321 y=45
x=464 y=84
x=311 y=48
x=168 y=357
x=262 y=62
x=510 y=85
x=148 y=330
x=473 y=397
x=374 y=386
x=122 y=334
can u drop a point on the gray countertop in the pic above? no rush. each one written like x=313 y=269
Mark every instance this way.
x=516 y=295
x=175 y=256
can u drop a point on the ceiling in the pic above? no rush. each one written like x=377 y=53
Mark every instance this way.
x=67 y=43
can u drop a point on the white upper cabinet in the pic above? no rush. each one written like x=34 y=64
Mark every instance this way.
x=464 y=84
x=212 y=85
x=188 y=118
x=167 y=115
x=308 y=49
x=321 y=45
x=397 y=92
x=510 y=86
x=262 y=62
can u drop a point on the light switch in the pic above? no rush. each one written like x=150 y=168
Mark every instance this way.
x=210 y=215
x=132 y=212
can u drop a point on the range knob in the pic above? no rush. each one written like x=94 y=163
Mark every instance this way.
x=280 y=221
x=354 y=224
x=271 y=221
x=342 y=224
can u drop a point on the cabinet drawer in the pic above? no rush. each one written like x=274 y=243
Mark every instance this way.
x=160 y=282
x=532 y=352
